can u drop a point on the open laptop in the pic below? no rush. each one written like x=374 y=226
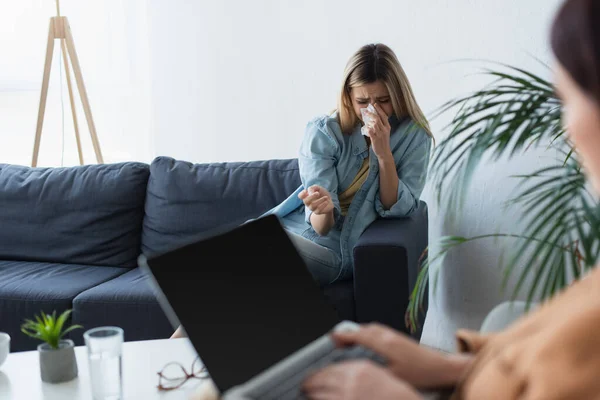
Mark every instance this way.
x=251 y=309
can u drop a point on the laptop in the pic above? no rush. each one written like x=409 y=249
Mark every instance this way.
x=251 y=309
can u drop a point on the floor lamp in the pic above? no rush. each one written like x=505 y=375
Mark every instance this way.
x=60 y=29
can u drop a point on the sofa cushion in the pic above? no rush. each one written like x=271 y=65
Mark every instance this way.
x=190 y=201
x=127 y=301
x=27 y=288
x=88 y=215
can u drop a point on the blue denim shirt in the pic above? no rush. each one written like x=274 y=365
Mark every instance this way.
x=331 y=159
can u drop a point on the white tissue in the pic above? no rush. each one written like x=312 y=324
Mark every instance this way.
x=367 y=119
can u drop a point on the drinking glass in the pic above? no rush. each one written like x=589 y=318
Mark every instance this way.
x=104 y=355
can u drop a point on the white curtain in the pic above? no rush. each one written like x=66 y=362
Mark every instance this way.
x=111 y=40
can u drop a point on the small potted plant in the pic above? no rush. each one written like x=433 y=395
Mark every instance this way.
x=57 y=355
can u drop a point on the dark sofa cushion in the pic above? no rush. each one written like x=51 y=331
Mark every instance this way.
x=79 y=215
x=27 y=288
x=190 y=201
x=127 y=301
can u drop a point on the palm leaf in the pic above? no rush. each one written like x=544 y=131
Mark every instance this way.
x=446 y=243
x=515 y=112
x=560 y=240
x=549 y=215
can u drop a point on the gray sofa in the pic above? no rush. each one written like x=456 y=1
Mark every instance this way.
x=70 y=238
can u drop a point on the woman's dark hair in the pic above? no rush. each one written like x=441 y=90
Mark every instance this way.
x=575 y=40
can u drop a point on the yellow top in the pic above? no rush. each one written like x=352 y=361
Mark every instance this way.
x=348 y=194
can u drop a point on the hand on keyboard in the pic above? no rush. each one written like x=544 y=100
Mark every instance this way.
x=354 y=376
x=289 y=388
x=355 y=353
x=284 y=380
x=345 y=354
x=421 y=367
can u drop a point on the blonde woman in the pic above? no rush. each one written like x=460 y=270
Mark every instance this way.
x=350 y=179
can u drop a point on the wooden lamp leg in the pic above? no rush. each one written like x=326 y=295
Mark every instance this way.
x=44 y=94
x=82 y=92
x=72 y=100
x=60 y=29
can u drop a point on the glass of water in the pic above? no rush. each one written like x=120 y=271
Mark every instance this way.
x=104 y=354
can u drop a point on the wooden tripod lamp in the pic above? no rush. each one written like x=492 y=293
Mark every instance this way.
x=60 y=29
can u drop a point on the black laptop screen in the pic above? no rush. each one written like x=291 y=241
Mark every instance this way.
x=245 y=298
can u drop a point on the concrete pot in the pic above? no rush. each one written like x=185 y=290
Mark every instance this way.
x=58 y=365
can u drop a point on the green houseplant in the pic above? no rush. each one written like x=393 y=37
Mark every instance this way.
x=515 y=112
x=57 y=355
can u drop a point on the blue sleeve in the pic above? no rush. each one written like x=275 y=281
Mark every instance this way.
x=318 y=158
x=412 y=173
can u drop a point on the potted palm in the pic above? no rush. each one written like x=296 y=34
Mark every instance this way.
x=57 y=355
x=515 y=112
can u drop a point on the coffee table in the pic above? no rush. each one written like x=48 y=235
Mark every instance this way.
x=20 y=374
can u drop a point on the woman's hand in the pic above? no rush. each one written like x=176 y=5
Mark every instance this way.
x=317 y=199
x=417 y=365
x=379 y=132
x=356 y=380
x=550 y=353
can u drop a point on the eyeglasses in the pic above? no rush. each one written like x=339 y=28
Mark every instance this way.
x=174 y=375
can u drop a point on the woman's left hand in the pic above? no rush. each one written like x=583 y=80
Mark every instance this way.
x=379 y=132
x=356 y=380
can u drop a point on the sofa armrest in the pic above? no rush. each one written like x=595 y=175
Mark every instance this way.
x=386 y=265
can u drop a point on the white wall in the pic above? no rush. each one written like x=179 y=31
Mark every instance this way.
x=238 y=80
x=112 y=46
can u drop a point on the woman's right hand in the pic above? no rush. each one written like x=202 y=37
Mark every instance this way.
x=417 y=365
x=317 y=199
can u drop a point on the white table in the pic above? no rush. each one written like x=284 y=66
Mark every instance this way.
x=20 y=374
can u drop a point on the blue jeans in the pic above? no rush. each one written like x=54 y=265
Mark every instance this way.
x=324 y=265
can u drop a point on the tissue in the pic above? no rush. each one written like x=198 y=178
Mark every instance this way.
x=367 y=119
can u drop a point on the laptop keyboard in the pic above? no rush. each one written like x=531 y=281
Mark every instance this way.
x=289 y=387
